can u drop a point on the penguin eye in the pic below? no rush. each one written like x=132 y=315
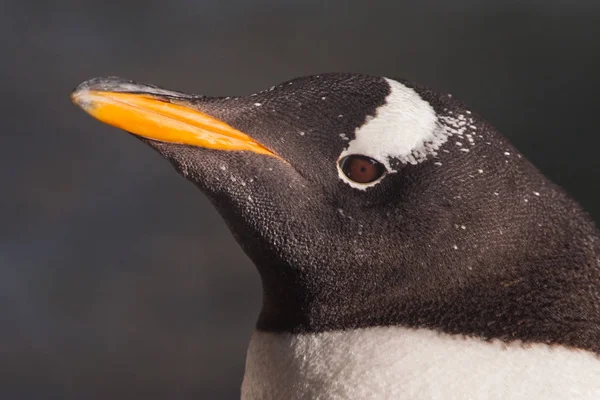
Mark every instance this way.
x=361 y=169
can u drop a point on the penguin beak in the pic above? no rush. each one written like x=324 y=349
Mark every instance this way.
x=159 y=115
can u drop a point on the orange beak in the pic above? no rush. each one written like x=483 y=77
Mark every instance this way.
x=152 y=117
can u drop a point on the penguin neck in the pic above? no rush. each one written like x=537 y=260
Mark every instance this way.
x=523 y=272
x=398 y=362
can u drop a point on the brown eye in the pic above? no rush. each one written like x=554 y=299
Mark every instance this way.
x=361 y=169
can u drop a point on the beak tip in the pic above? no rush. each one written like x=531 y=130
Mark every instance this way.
x=119 y=85
x=81 y=99
x=80 y=96
x=104 y=84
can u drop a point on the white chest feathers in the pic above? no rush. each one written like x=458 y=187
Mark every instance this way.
x=401 y=363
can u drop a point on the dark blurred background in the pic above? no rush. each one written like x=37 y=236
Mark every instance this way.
x=117 y=278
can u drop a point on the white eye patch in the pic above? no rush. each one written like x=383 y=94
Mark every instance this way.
x=405 y=128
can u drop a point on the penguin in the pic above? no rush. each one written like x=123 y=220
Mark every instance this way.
x=406 y=249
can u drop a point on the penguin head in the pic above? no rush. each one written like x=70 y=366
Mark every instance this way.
x=356 y=197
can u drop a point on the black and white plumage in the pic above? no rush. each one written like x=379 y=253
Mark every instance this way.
x=462 y=272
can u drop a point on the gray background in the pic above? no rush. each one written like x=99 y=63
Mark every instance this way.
x=117 y=278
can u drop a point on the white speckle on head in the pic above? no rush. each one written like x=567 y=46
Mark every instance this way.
x=496 y=194
x=458 y=143
x=258 y=104
x=468 y=112
x=301 y=133
x=480 y=171
x=340 y=116
x=536 y=193
x=455 y=247
x=323 y=98
x=506 y=153
x=222 y=167
x=464 y=150
x=405 y=129
x=437 y=163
